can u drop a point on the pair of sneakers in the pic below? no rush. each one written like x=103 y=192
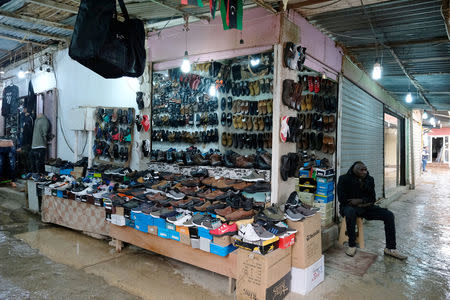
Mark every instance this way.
x=351 y=251
x=255 y=233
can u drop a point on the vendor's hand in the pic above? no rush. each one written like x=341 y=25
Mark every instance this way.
x=356 y=201
x=19 y=150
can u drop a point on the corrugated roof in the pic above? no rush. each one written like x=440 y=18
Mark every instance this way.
x=418 y=22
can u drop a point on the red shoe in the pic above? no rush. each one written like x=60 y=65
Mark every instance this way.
x=310 y=84
x=316 y=84
x=225 y=229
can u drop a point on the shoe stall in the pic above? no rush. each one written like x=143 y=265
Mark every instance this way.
x=237 y=155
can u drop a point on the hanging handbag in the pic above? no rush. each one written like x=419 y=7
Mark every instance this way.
x=104 y=44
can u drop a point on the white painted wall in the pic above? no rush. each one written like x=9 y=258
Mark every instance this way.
x=78 y=86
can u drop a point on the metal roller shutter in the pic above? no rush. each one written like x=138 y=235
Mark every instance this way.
x=362 y=136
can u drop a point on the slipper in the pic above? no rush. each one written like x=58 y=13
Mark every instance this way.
x=310 y=84
x=331 y=123
x=289 y=54
x=229 y=119
x=288 y=85
x=223 y=103
x=284 y=129
x=325 y=144
x=145 y=122
x=223 y=119
x=229 y=102
x=331 y=145
x=316 y=84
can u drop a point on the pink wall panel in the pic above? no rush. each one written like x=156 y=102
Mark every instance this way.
x=260 y=28
x=319 y=47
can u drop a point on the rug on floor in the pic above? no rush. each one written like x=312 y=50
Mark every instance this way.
x=358 y=265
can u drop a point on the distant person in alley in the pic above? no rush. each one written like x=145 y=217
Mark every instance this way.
x=356 y=195
x=425 y=157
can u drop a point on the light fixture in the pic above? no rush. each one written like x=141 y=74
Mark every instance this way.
x=432 y=120
x=21 y=74
x=212 y=90
x=324 y=76
x=425 y=115
x=408 y=98
x=255 y=61
x=185 y=65
x=376 y=72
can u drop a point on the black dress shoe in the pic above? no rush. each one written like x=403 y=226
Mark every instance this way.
x=261 y=164
x=229 y=103
x=319 y=141
x=223 y=103
x=229 y=119
x=284 y=167
x=312 y=141
x=234 y=138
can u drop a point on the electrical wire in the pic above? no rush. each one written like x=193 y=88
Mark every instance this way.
x=446 y=27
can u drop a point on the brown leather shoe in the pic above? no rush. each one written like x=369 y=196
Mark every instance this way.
x=203 y=207
x=244 y=161
x=240 y=214
x=241 y=185
x=161 y=183
x=331 y=145
x=215 y=159
x=331 y=123
x=225 y=211
x=224 y=139
x=267 y=158
x=308 y=121
x=191 y=191
x=229 y=140
x=189 y=182
x=249 y=123
x=213 y=195
x=156 y=197
x=223 y=183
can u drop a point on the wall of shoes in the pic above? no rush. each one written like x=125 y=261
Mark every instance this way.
x=225 y=105
x=114 y=135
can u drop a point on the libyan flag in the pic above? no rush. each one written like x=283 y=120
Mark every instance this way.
x=231 y=12
x=198 y=3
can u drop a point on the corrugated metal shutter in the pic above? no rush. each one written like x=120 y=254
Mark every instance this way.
x=362 y=135
x=417 y=148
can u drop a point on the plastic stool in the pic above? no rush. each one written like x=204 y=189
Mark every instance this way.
x=343 y=236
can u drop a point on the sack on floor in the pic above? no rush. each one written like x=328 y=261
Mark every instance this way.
x=104 y=44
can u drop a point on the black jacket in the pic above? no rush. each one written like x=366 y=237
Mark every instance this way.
x=349 y=187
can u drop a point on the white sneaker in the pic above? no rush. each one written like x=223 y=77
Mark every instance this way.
x=86 y=191
x=249 y=234
x=184 y=221
x=99 y=194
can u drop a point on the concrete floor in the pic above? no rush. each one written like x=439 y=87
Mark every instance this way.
x=42 y=261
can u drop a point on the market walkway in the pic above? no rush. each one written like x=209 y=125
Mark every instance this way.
x=42 y=261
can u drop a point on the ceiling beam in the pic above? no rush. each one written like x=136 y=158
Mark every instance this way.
x=401 y=43
x=268 y=7
x=24 y=40
x=417 y=85
x=305 y=3
x=417 y=74
x=182 y=12
x=55 y=5
x=419 y=60
x=425 y=92
x=14 y=16
x=446 y=13
x=27 y=32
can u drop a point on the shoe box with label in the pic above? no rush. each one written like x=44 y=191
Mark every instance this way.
x=263 y=276
x=307 y=259
x=261 y=247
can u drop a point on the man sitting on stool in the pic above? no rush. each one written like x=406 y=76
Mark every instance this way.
x=356 y=193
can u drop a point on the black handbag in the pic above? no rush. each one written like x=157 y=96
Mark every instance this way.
x=105 y=45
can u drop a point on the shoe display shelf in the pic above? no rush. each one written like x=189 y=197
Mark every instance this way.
x=232 y=173
x=220 y=105
x=114 y=135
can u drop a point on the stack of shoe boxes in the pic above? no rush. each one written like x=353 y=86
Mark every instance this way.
x=306 y=188
x=324 y=198
x=307 y=259
x=263 y=276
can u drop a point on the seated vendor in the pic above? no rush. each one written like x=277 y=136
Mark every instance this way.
x=356 y=195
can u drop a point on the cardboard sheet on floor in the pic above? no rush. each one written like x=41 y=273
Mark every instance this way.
x=358 y=265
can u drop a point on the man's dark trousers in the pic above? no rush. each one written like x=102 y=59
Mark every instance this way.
x=37 y=157
x=370 y=213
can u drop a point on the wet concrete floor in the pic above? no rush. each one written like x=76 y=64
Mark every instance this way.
x=44 y=261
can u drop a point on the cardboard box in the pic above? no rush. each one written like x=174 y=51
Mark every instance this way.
x=174 y=235
x=305 y=197
x=205 y=244
x=193 y=232
x=238 y=242
x=204 y=233
x=220 y=250
x=153 y=230
x=325 y=179
x=308 y=246
x=304 y=280
x=222 y=241
x=183 y=230
x=263 y=276
x=195 y=243
x=185 y=239
x=286 y=241
x=324 y=199
x=171 y=226
x=163 y=232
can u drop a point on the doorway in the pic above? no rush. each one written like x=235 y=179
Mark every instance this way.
x=394 y=153
x=437 y=150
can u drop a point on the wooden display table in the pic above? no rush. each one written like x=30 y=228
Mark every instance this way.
x=222 y=265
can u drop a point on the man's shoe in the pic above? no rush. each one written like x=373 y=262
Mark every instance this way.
x=350 y=251
x=225 y=229
x=394 y=253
